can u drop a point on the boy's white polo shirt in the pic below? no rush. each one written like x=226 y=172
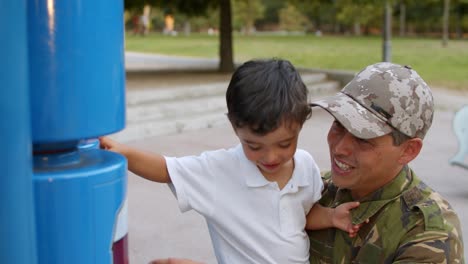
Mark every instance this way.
x=250 y=219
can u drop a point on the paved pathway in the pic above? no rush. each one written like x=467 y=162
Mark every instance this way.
x=157 y=229
x=135 y=61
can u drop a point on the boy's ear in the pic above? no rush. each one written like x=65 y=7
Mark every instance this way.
x=410 y=150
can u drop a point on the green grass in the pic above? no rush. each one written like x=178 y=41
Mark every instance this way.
x=439 y=66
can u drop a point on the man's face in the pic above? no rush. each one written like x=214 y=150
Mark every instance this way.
x=362 y=165
x=273 y=152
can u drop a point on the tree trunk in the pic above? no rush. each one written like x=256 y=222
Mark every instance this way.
x=458 y=22
x=249 y=22
x=445 y=23
x=226 y=63
x=357 y=28
x=187 y=28
x=402 y=19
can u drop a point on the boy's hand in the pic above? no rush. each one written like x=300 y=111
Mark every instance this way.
x=341 y=218
x=111 y=145
x=148 y=165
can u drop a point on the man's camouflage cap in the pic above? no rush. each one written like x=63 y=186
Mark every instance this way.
x=382 y=97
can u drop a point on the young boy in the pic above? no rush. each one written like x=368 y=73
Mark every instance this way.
x=256 y=196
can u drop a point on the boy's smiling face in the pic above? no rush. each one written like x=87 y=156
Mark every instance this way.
x=272 y=152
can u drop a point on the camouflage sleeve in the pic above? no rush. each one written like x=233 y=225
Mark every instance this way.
x=423 y=245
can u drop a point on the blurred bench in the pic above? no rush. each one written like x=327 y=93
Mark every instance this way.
x=460 y=127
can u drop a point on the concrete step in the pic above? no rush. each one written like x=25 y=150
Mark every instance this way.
x=159 y=109
x=170 y=126
x=154 y=112
x=151 y=96
x=173 y=109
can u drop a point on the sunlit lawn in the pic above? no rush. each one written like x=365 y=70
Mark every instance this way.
x=439 y=66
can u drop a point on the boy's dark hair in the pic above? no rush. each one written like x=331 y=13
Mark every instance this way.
x=264 y=93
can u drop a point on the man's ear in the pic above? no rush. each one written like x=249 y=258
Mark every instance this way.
x=410 y=150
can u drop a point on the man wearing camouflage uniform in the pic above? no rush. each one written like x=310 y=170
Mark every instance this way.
x=381 y=118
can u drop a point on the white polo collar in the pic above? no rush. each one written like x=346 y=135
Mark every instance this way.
x=254 y=178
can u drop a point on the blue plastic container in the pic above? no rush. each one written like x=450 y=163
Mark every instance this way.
x=78 y=197
x=77 y=92
x=76 y=61
x=87 y=144
x=17 y=234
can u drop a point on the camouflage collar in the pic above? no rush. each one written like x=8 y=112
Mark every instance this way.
x=373 y=202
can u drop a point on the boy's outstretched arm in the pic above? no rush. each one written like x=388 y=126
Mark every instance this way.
x=321 y=217
x=148 y=165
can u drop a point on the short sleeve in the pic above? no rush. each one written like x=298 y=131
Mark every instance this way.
x=197 y=180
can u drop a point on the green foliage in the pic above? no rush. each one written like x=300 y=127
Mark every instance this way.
x=157 y=19
x=203 y=23
x=192 y=7
x=362 y=12
x=272 y=8
x=292 y=19
x=245 y=13
x=189 y=8
x=422 y=17
x=319 y=12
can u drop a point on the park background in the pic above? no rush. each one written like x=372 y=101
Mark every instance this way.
x=63 y=85
x=431 y=36
x=324 y=36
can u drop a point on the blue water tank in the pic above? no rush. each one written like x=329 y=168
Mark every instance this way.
x=78 y=196
x=17 y=233
x=76 y=62
x=77 y=92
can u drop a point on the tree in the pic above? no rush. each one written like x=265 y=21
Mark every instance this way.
x=402 y=9
x=291 y=19
x=198 y=7
x=194 y=7
x=270 y=17
x=402 y=18
x=359 y=13
x=461 y=20
x=246 y=12
x=445 y=23
x=318 y=12
x=226 y=62
x=423 y=17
